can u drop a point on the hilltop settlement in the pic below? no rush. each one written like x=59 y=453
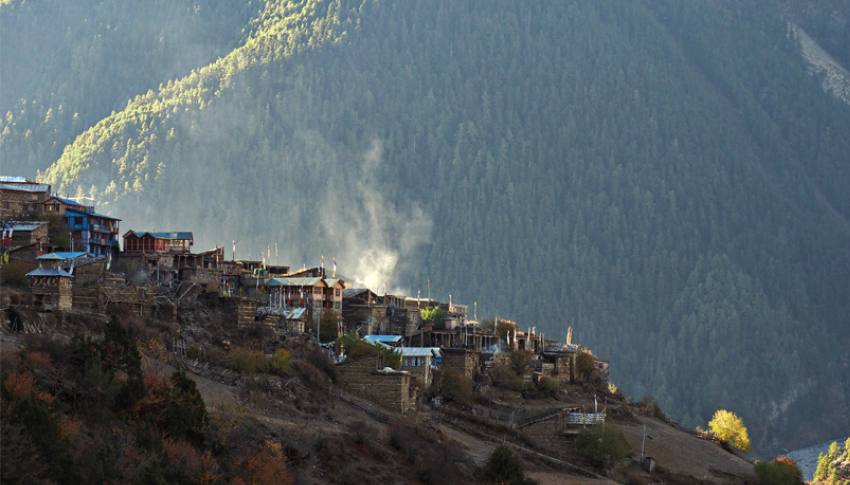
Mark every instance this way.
x=307 y=352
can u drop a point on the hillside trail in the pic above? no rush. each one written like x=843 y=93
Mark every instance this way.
x=480 y=449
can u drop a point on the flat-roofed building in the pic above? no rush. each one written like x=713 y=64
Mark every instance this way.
x=21 y=198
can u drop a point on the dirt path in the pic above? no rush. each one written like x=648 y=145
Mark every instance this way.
x=478 y=449
x=551 y=478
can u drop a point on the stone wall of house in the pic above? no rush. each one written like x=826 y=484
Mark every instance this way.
x=115 y=291
x=16 y=204
x=209 y=278
x=246 y=312
x=421 y=373
x=66 y=294
x=560 y=367
x=462 y=360
x=391 y=390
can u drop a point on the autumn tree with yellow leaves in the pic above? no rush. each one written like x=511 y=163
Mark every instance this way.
x=728 y=428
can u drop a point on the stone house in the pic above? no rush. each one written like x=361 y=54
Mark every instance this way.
x=390 y=389
x=317 y=294
x=21 y=198
x=363 y=311
x=25 y=233
x=464 y=361
x=560 y=364
x=420 y=362
x=52 y=288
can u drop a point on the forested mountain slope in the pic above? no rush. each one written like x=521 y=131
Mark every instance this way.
x=68 y=64
x=667 y=177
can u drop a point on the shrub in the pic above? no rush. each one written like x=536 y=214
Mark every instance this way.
x=781 y=471
x=246 y=361
x=832 y=464
x=358 y=348
x=320 y=360
x=328 y=330
x=453 y=386
x=267 y=465
x=649 y=406
x=183 y=457
x=390 y=357
x=434 y=315
x=545 y=387
x=520 y=362
x=186 y=415
x=584 y=364
x=602 y=445
x=15 y=273
x=504 y=467
x=403 y=437
x=216 y=356
x=504 y=377
x=355 y=347
x=431 y=464
x=728 y=428
x=312 y=376
x=280 y=362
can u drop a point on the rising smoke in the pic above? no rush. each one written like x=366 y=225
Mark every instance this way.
x=377 y=240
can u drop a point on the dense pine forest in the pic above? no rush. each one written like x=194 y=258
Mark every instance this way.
x=669 y=178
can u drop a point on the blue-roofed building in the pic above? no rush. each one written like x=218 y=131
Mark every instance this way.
x=419 y=361
x=49 y=272
x=51 y=288
x=62 y=256
x=90 y=231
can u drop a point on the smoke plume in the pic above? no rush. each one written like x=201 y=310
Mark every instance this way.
x=377 y=240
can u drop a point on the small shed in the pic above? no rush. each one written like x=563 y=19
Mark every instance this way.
x=419 y=361
x=51 y=288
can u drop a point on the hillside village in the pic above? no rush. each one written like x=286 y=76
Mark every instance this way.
x=393 y=356
x=86 y=268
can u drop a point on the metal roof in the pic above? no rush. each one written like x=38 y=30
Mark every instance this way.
x=50 y=272
x=62 y=256
x=67 y=201
x=352 y=292
x=293 y=281
x=183 y=236
x=333 y=281
x=104 y=216
x=25 y=187
x=27 y=226
x=175 y=235
x=294 y=314
x=14 y=179
x=419 y=351
x=383 y=339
